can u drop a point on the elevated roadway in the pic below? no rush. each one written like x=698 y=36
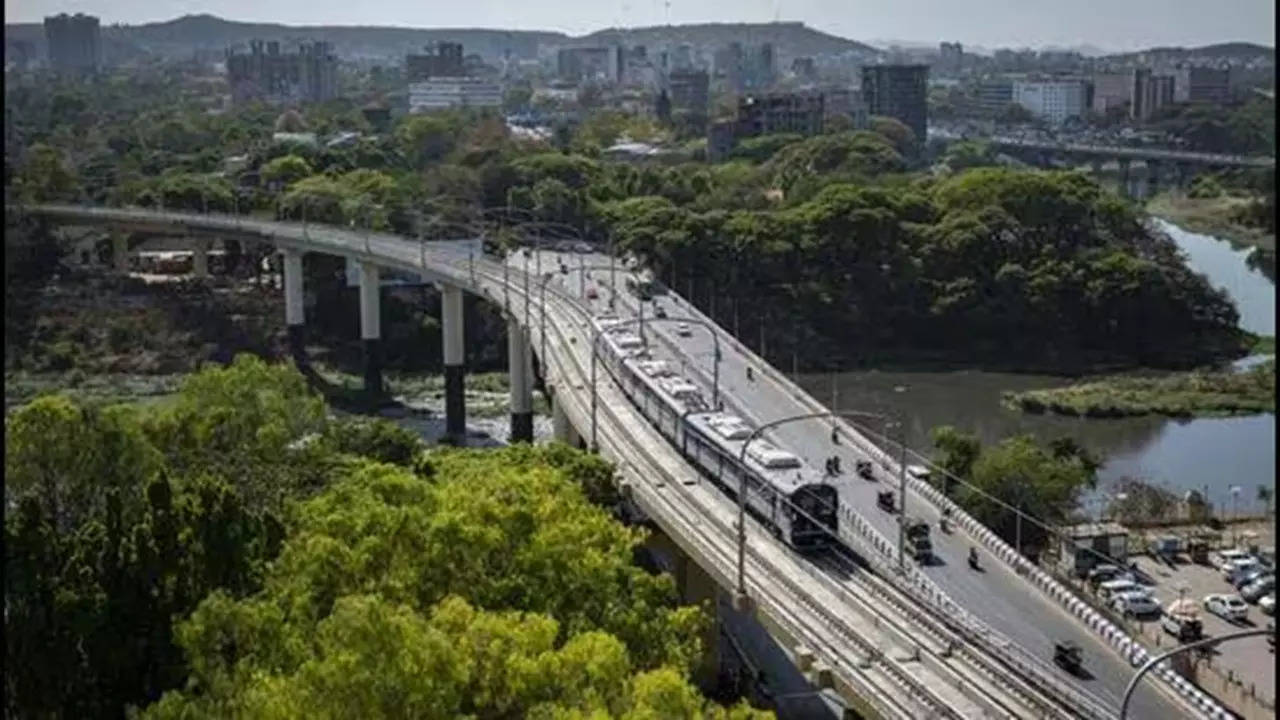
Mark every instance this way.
x=887 y=653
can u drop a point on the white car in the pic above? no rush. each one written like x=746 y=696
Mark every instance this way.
x=919 y=472
x=1228 y=607
x=1226 y=557
x=1120 y=586
x=683 y=330
x=1136 y=602
x=1267 y=604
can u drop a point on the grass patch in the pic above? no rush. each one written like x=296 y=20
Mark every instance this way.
x=21 y=387
x=1181 y=395
x=1263 y=345
x=1211 y=216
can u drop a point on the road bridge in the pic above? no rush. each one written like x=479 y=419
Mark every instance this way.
x=891 y=646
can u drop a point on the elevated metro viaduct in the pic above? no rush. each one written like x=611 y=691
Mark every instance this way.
x=892 y=670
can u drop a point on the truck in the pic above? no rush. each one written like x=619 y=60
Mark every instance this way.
x=918 y=544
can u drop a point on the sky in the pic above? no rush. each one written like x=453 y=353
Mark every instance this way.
x=1113 y=25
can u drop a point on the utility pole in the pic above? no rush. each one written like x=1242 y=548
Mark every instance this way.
x=902 y=495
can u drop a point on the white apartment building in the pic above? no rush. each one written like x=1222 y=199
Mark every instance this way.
x=441 y=93
x=1051 y=100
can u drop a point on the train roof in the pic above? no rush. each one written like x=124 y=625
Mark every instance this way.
x=785 y=470
x=679 y=393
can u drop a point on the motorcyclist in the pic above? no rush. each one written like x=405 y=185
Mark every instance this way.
x=835 y=436
x=973 y=556
x=835 y=463
x=750 y=375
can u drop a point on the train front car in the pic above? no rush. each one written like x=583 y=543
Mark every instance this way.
x=788 y=496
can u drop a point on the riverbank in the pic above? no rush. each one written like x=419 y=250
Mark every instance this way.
x=1212 y=216
x=1181 y=395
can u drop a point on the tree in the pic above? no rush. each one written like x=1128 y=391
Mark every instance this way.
x=1024 y=476
x=968 y=154
x=425 y=139
x=44 y=176
x=960 y=451
x=1014 y=114
x=902 y=138
x=285 y=170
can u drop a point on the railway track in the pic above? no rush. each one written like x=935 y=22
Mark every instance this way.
x=839 y=619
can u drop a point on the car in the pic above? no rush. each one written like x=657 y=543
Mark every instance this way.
x=863 y=468
x=1228 y=607
x=1102 y=573
x=1236 y=568
x=683 y=330
x=592 y=294
x=1248 y=577
x=1226 y=557
x=659 y=311
x=1135 y=602
x=919 y=472
x=1267 y=603
x=1120 y=585
x=1263 y=585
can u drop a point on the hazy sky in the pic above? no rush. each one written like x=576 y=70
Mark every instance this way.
x=1109 y=24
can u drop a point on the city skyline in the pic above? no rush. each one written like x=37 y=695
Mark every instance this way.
x=1112 y=27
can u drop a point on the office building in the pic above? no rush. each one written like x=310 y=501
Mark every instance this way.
x=75 y=42
x=780 y=112
x=268 y=75
x=689 y=90
x=847 y=102
x=1111 y=90
x=746 y=67
x=442 y=60
x=950 y=57
x=1202 y=85
x=442 y=93
x=1054 y=101
x=995 y=96
x=595 y=64
x=1150 y=93
x=898 y=91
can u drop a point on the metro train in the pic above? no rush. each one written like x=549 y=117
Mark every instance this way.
x=793 y=500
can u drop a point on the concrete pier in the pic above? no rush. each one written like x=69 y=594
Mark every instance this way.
x=451 y=323
x=520 y=363
x=371 y=326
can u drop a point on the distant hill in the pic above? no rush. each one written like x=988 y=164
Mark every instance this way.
x=790 y=39
x=1232 y=50
x=179 y=38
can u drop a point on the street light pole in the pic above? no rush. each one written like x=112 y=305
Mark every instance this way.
x=1148 y=665
x=902 y=496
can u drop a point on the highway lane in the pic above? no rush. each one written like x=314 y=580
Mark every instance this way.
x=997 y=597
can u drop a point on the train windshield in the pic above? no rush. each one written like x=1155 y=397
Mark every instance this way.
x=815 y=502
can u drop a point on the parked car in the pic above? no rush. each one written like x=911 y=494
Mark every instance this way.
x=1102 y=573
x=1135 y=602
x=1267 y=603
x=919 y=472
x=1112 y=588
x=1236 y=568
x=1225 y=557
x=1228 y=607
x=1243 y=578
x=1263 y=585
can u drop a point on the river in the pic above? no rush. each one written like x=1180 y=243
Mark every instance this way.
x=1206 y=454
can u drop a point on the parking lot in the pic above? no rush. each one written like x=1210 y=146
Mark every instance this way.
x=1248 y=659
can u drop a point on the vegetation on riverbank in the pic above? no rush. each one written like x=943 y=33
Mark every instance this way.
x=1218 y=216
x=1177 y=395
x=238 y=550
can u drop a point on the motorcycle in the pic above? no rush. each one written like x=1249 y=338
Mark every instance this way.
x=973 y=559
x=944 y=526
x=750 y=376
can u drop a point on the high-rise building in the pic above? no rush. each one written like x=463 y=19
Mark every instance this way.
x=994 y=96
x=1202 y=85
x=780 y=112
x=600 y=64
x=1111 y=90
x=75 y=42
x=1054 y=101
x=1150 y=93
x=441 y=93
x=266 y=74
x=899 y=92
x=845 y=101
x=442 y=60
x=951 y=57
x=689 y=90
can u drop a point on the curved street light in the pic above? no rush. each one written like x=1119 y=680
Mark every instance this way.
x=1147 y=666
x=742 y=484
x=595 y=340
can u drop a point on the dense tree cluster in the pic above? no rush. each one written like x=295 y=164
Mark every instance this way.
x=241 y=553
x=1043 y=481
x=1246 y=129
x=825 y=245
